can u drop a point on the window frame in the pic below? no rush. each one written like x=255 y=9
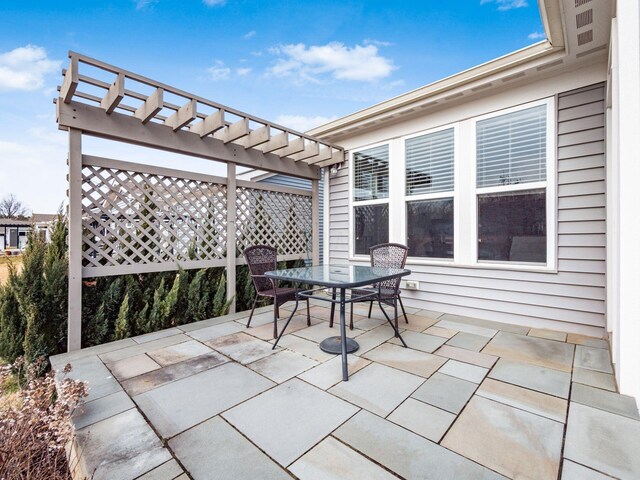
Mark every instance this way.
x=353 y=203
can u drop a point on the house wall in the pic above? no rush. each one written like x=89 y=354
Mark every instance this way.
x=570 y=298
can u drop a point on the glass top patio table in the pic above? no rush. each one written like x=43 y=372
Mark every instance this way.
x=339 y=278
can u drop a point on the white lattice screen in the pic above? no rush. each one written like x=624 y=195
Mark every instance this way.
x=138 y=218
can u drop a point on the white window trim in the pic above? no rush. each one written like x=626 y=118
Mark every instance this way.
x=464 y=195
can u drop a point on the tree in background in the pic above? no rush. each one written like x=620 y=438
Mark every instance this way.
x=11 y=207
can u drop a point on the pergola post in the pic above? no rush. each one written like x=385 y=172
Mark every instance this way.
x=315 y=222
x=231 y=235
x=74 y=322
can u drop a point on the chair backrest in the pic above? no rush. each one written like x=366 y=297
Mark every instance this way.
x=389 y=255
x=261 y=259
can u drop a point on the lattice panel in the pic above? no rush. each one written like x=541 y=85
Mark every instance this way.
x=133 y=218
x=282 y=220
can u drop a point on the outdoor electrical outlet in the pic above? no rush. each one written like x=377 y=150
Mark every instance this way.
x=412 y=285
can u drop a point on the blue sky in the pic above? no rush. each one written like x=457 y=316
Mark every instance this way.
x=299 y=63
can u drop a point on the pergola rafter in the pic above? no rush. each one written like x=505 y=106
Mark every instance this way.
x=127 y=218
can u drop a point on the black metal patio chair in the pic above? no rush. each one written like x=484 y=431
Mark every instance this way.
x=261 y=259
x=389 y=255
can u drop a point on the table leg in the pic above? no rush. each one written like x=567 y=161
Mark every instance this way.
x=343 y=335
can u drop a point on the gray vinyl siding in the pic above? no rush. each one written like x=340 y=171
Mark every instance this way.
x=576 y=293
x=303 y=184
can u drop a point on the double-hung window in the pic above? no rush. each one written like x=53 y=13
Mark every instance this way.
x=429 y=187
x=511 y=186
x=370 y=198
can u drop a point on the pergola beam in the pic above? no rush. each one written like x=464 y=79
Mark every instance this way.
x=70 y=83
x=152 y=105
x=209 y=125
x=183 y=116
x=126 y=128
x=114 y=95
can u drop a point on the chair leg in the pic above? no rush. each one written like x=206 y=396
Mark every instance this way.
x=255 y=300
x=351 y=315
x=395 y=313
x=333 y=307
x=275 y=320
x=403 y=312
x=370 y=308
x=308 y=314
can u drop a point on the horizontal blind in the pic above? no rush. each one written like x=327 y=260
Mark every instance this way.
x=512 y=148
x=371 y=173
x=429 y=163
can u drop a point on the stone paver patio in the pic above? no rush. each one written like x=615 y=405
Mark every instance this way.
x=469 y=399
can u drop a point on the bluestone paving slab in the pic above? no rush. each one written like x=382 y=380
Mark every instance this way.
x=148 y=381
x=423 y=419
x=441 y=332
x=231 y=317
x=373 y=338
x=505 y=327
x=368 y=323
x=417 y=323
x=305 y=347
x=594 y=379
x=265 y=332
x=467 y=356
x=332 y=460
x=138 y=349
x=429 y=313
x=548 y=406
x=167 y=471
x=406 y=359
x=542 y=379
x=513 y=442
x=179 y=353
x=317 y=311
x=593 y=359
x=548 y=334
x=465 y=371
x=282 y=366
x=574 y=471
x=241 y=347
x=464 y=327
x=263 y=318
x=91 y=412
x=587 y=341
x=364 y=388
x=327 y=374
x=320 y=331
x=149 y=337
x=121 y=447
x=59 y=361
x=405 y=453
x=289 y=419
x=215 y=331
x=132 y=366
x=99 y=379
x=445 y=392
x=420 y=341
x=537 y=351
x=215 y=450
x=603 y=441
x=468 y=341
x=177 y=406
x=604 y=400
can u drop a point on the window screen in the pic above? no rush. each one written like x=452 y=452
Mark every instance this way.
x=371 y=173
x=511 y=148
x=429 y=163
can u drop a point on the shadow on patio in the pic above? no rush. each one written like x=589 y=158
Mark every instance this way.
x=468 y=399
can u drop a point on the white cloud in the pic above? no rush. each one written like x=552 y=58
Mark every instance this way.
x=219 y=71
x=249 y=35
x=243 y=71
x=308 y=64
x=302 y=123
x=507 y=4
x=214 y=3
x=25 y=68
x=378 y=43
x=142 y=4
x=537 y=36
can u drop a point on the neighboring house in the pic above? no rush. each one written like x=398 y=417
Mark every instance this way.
x=292 y=182
x=43 y=223
x=513 y=183
x=13 y=233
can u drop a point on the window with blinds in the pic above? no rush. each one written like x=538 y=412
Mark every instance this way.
x=371 y=170
x=429 y=163
x=511 y=148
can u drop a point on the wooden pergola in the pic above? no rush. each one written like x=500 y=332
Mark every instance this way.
x=130 y=218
